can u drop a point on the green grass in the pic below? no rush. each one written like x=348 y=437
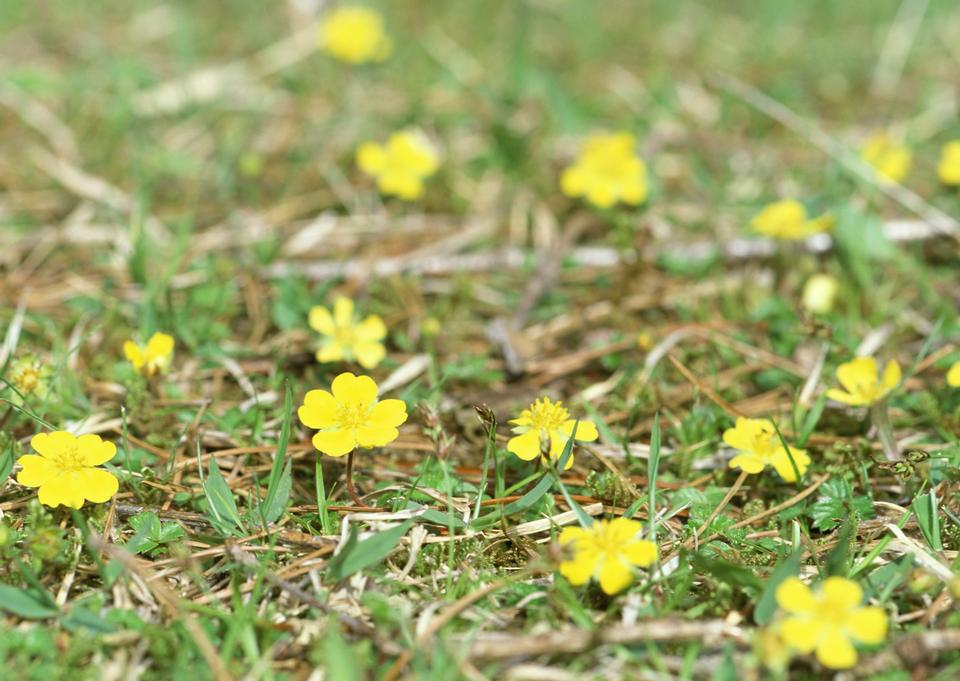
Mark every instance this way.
x=225 y=218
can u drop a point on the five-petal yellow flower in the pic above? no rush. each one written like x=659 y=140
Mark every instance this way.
x=355 y=35
x=787 y=219
x=346 y=338
x=760 y=446
x=948 y=169
x=152 y=359
x=606 y=171
x=861 y=379
x=606 y=551
x=889 y=158
x=65 y=469
x=401 y=165
x=351 y=416
x=829 y=621
x=547 y=424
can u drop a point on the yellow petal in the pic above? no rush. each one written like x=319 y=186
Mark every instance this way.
x=388 y=413
x=840 y=594
x=61 y=490
x=572 y=182
x=159 y=345
x=642 y=552
x=376 y=436
x=526 y=446
x=858 y=371
x=795 y=596
x=781 y=462
x=868 y=625
x=615 y=576
x=846 y=398
x=748 y=463
x=51 y=444
x=571 y=534
x=95 y=451
x=343 y=311
x=351 y=389
x=371 y=158
x=97 y=485
x=579 y=570
x=371 y=329
x=953 y=376
x=319 y=409
x=836 y=652
x=335 y=442
x=331 y=351
x=891 y=376
x=601 y=195
x=36 y=470
x=586 y=430
x=133 y=353
x=321 y=321
x=800 y=633
x=369 y=354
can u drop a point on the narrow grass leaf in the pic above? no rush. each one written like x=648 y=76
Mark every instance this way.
x=223 y=511
x=280 y=484
x=767 y=605
x=356 y=555
x=26 y=604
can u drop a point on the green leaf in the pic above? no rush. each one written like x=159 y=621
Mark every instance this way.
x=836 y=562
x=356 y=555
x=223 y=512
x=767 y=604
x=6 y=462
x=925 y=508
x=653 y=466
x=435 y=517
x=724 y=571
x=280 y=483
x=25 y=604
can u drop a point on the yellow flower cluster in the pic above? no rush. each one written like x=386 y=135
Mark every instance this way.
x=863 y=383
x=65 y=469
x=607 y=171
x=401 y=165
x=889 y=158
x=607 y=551
x=355 y=35
x=347 y=338
x=542 y=430
x=760 y=446
x=788 y=220
x=153 y=358
x=948 y=169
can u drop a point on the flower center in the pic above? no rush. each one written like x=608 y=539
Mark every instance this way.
x=69 y=459
x=27 y=380
x=353 y=415
x=547 y=415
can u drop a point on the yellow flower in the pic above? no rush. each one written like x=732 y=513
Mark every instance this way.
x=152 y=359
x=953 y=376
x=772 y=651
x=355 y=35
x=607 y=552
x=819 y=293
x=345 y=337
x=547 y=423
x=760 y=446
x=66 y=469
x=401 y=165
x=352 y=416
x=949 y=167
x=29 y=376
x=430 y=326
x=863 y=383
x=607 y=170
x=829 y=620
x=787 y=219
x=889 y=158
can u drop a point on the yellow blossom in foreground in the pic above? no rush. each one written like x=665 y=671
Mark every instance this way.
x=819 y=293
x=787 y=219
x=401 y=165
x=351 y=416
x=829 y=621
x=953 y=375
x=889 y=158
x=152 y=359
x=547 y=424
x=760 y=446
x=606 y=551
x=29 y=376
x=355 y=35
x=949 y=167
x=346 y=338
x=861 y=379
x=607 y=170
x=65 y=469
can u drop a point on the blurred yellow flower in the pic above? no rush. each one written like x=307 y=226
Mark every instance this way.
x=346 y=338
x=829 y=621
x=430 y=326
x=606 y=551
x=787 y=219
x=953 y=376
x=606 y=171
x=29 y=376
x=547 y=424
x=949 y=167
x=152 y=359
x=355 y=35
x=760 y=446
x=889 y=158
x=863 y=383
x=65 y=469
x=819 y=293
x=771 y=649
x=401 y=165
x=351 y=416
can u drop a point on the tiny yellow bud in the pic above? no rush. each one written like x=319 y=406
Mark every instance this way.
x=819 y=293
x=430 y=326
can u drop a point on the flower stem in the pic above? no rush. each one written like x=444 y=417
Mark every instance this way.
x=881 y=419
x=350 y=488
